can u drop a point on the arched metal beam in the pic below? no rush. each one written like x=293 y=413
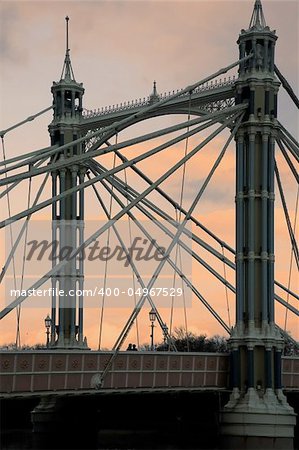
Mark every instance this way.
x=96 y=151
x=121 y=167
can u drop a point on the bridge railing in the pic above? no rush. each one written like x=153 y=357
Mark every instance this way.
x=57 y=371
x=44 y=371
x=138 y=103
x=290 y=372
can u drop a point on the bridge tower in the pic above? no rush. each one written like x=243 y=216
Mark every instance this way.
x=68 y=214
x=257 y=413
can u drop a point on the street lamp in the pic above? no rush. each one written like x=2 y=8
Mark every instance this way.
x=152 y=317
x=48 y=323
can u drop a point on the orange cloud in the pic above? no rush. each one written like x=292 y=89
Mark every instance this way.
x=118 y=54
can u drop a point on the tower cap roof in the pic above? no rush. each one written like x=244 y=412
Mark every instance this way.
x=257 y=20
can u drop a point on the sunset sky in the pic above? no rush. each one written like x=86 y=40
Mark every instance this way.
x=118 y=48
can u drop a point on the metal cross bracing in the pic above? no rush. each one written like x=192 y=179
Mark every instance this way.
x=80 y=140
x=209 y=97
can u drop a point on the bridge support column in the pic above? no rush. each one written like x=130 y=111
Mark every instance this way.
x=44 y=416
x=61 y=422
x=67 y=214
x=257 y=414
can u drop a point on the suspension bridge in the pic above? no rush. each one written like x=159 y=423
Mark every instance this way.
x=255 y=373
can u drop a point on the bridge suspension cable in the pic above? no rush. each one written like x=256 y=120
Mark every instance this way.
x=49 y=151
x=177 y=250
x=154 y=243
x=18 y=309
x=18 y=335
x=276 y=297
x=226 y=290
x=287 y=86
x=203 y=262
x=115 y=127
x=31 y=159
x=287 y=290
x=55 y=149
x=217 y=239
x=125 y=193
x=171 y=235
x=295 y=173
x=213 y=117
x=173 y=169
x=291 y=259
x=174 y=241
x=287 y=217
x=177 y=206
x=29 y=119
x=289 y=135
x=122 y=166
x=130 y=260
x=167 y=197
x=106 y=262
x=133 y=273
x=289 y=141
x=23 y=229
x=127 y=190
x=16 y=183
x=105 y=271
x=24 y=226
x=288 y=160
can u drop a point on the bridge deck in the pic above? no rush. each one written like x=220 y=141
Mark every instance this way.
x=31 y=372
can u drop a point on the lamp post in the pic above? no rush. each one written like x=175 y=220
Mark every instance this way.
x=48 y=323
x=165 y=333
x=152 y=317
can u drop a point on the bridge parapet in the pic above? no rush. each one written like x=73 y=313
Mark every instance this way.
x=44 y=371
x=33 y=372
x=290 y=372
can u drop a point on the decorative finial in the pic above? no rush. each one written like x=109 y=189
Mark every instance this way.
x=67 y=70
x=67 y=33
x=154 y=97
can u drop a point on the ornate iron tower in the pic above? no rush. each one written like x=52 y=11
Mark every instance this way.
x=68 y=215
x=257 y=411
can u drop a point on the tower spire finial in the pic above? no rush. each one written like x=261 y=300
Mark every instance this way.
x=258 y=19
x=154 y=97
x=67 y=70
x=67 y=33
